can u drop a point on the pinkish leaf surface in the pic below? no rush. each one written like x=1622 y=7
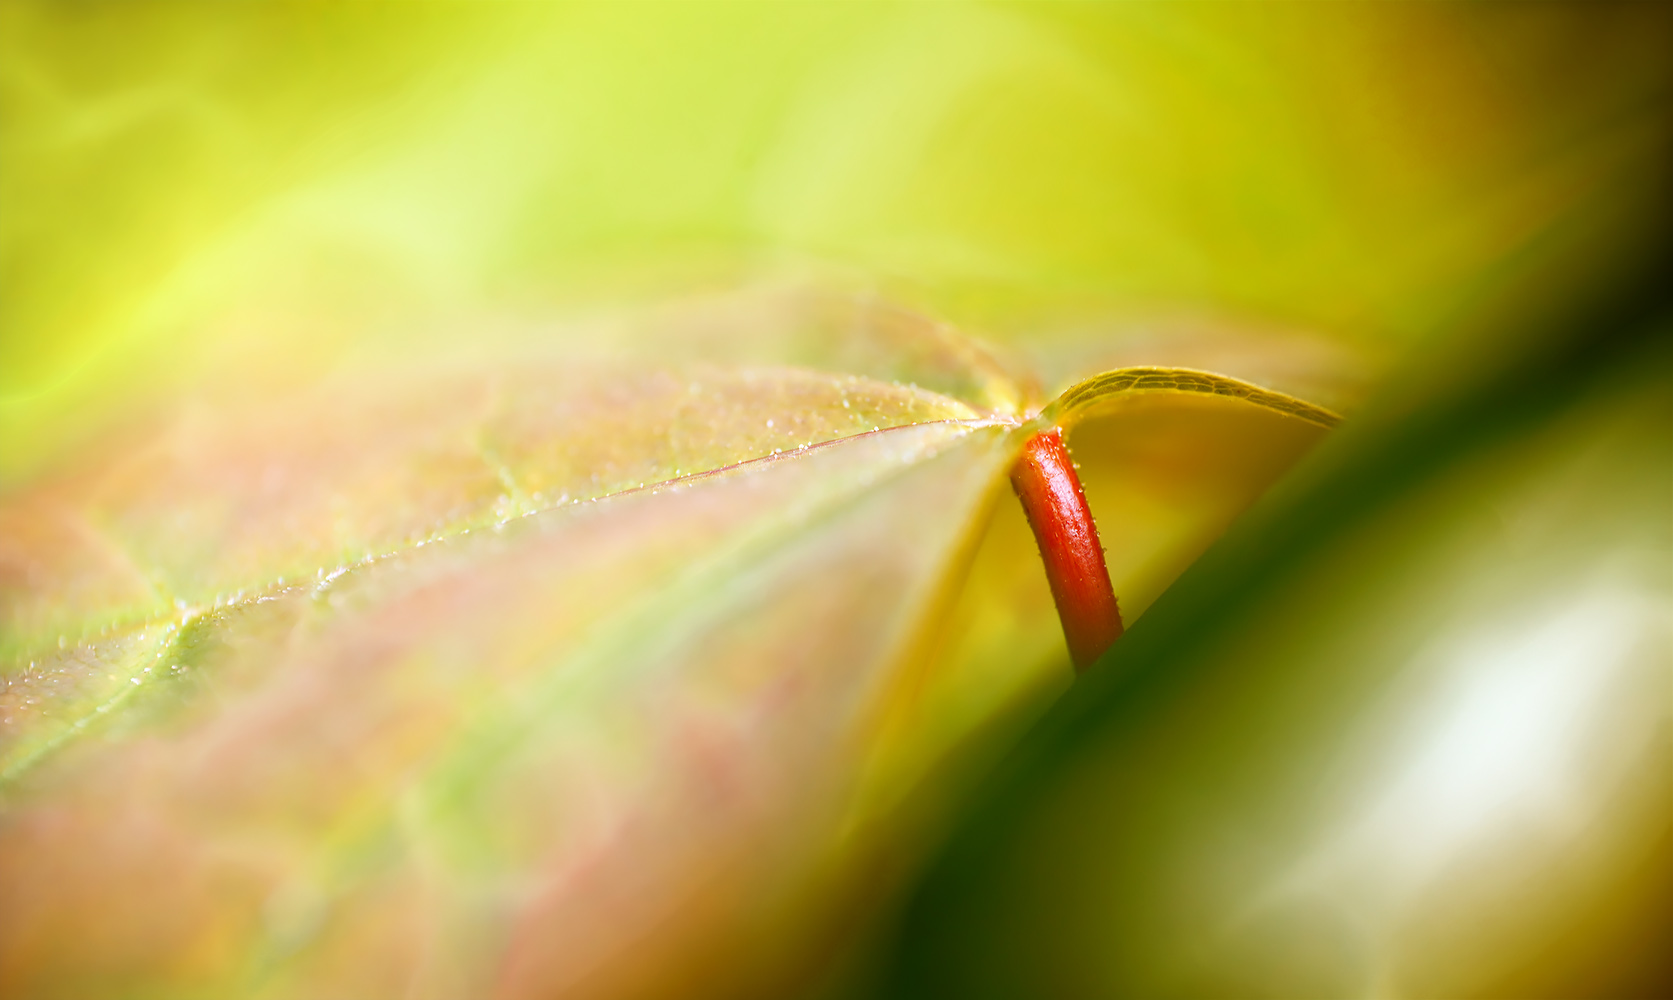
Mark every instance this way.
x=501 y=678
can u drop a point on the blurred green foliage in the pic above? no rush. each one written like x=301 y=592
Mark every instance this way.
x=1404 y=732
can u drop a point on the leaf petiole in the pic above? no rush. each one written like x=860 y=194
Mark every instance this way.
x=1051 y=495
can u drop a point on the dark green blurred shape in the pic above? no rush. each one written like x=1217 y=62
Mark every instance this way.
x=1407 y=732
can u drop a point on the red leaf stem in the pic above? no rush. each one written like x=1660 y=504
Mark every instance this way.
x=1052 y=497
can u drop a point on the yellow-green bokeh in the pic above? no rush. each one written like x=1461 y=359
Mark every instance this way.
x=205 y=193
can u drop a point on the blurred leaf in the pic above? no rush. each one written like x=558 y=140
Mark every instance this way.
x=1404 y=734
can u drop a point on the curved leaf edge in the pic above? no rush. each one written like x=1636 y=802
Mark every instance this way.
x=1081 y=399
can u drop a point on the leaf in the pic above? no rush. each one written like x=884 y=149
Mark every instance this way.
x=416 y=679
